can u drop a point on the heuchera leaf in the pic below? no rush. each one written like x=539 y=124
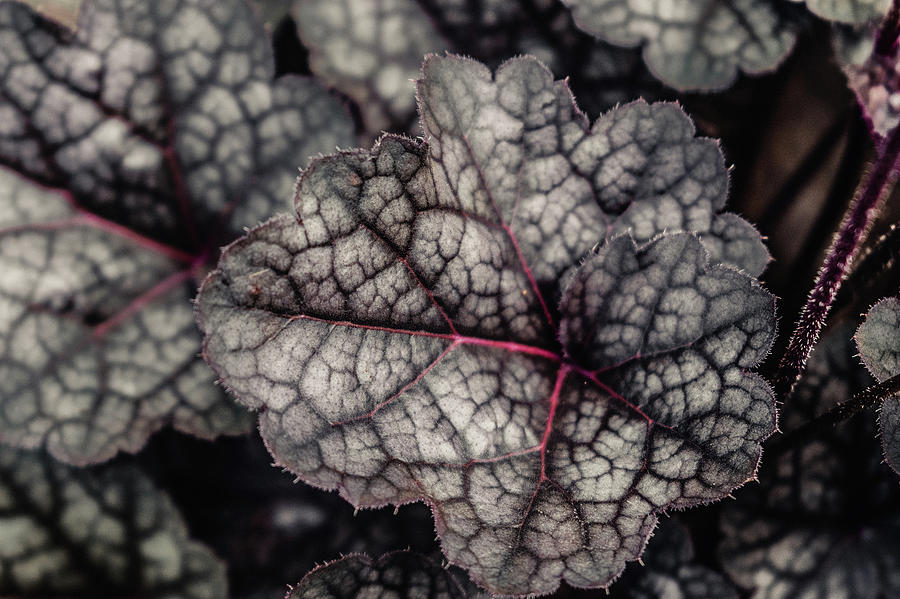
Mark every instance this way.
x=694 y=44
x=878 y=340
x=873 y=78
x=128 y=152
x=403 y=334
x=823 y=520
x=400 y=574
x=370 y=50
x=71 y=532
x=848 y=11
x=602 y=75
x=670 y=570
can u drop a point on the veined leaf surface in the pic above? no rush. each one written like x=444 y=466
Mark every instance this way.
x=399 y=574
x=78 y=533
x=694 y=44
x=823 y=520
x=878 y=340
x=434 y=326
x=129 y=151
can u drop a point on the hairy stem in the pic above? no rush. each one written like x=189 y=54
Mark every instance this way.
x=865 y=399
x=872 y=269
x=845 y=246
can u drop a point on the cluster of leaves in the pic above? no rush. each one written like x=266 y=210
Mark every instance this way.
x=532 y=317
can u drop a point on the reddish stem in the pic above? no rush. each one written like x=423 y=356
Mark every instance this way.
x=847 y=241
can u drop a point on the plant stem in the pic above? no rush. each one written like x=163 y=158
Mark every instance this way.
x=837 y=200
x=868 y=269
x=846 y=244
x=867 y=398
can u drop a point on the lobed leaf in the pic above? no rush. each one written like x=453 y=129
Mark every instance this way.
x=823 y=521
x=402 y=336
x=878 y=340
x=602 y=75
x=694 y=44
x=848 y=11
x=129 y=150
x=370 y=50
x=68 y=532
x=400 y=574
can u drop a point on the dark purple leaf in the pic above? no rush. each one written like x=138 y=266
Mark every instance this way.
x=77 y=533
x=129 y=151
x=399 y=575
x=402 y=338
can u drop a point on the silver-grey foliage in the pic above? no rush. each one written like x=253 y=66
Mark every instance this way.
x=823 y=521
x=128 y=151
x=401 y=336
x=77 y=533
x=693 y=44
x=396 y=575
x=848 y=11
x=370 y=50
x=878 y=340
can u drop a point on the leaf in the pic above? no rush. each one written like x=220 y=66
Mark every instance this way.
x=872 y=76
x=823 y=520
x=849 y=11
x=402 y=340
x=69 y=532
x=64 y=12
x=128 y=152
x=878 y=340
x=670 y=569
x=694 y=44
x=400 y=574
x=602 y=75
x=370 y=50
